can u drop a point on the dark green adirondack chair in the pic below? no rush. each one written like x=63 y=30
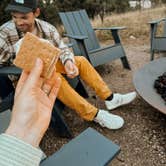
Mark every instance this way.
x=85 y=42
x=157 y=43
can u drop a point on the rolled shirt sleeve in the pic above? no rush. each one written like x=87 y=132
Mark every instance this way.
x=4 y=51
x=66 y=52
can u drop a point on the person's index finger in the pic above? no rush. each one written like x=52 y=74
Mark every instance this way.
x=35 y=73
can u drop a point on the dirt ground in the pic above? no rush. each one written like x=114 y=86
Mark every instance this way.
x=143 y=137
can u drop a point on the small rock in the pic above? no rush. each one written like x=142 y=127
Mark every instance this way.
x=132 y=37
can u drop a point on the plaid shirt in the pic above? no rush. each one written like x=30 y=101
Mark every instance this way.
x=9 y=35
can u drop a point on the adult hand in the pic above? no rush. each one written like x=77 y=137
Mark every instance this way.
x=71 y=69
x=32 y=108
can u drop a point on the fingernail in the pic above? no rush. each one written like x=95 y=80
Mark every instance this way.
x=38 y=62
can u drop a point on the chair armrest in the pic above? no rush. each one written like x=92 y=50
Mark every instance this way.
x=78 y=37
x=114 y=31
x=110 y=28
x=10 y=70
x=157 y=21
x=154 y=26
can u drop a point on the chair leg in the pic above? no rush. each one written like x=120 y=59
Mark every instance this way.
x=58 y=122
x=81 y=90
x=125 y=62
x=6 y=86
x=152 y=55
x=7 y=102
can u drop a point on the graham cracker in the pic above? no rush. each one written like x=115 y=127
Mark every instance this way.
x=32 y=48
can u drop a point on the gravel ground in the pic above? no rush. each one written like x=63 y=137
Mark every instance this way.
x=143 y=137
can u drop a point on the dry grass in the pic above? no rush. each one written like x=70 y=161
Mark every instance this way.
x=136 y=22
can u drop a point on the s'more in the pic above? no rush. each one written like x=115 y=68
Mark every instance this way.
x=32 y=47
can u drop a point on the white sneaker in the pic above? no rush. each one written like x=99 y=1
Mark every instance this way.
x=119 y=100
x=111 y=121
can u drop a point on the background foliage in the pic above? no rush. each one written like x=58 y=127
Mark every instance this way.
x=50 y=8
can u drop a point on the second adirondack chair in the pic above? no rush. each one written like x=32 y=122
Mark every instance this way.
x=85 y=42
x=157 y=43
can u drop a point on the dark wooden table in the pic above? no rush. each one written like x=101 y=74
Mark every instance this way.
x=144 y=83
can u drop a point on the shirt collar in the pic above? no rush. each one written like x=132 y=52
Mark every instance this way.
x=39 y=29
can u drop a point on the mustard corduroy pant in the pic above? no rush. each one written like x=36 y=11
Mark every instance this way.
x=71 y=98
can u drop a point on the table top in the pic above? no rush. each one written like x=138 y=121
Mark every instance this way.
x=90 y=148
x=144 y=83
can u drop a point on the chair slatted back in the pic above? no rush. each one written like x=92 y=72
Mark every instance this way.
x=78 y=23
